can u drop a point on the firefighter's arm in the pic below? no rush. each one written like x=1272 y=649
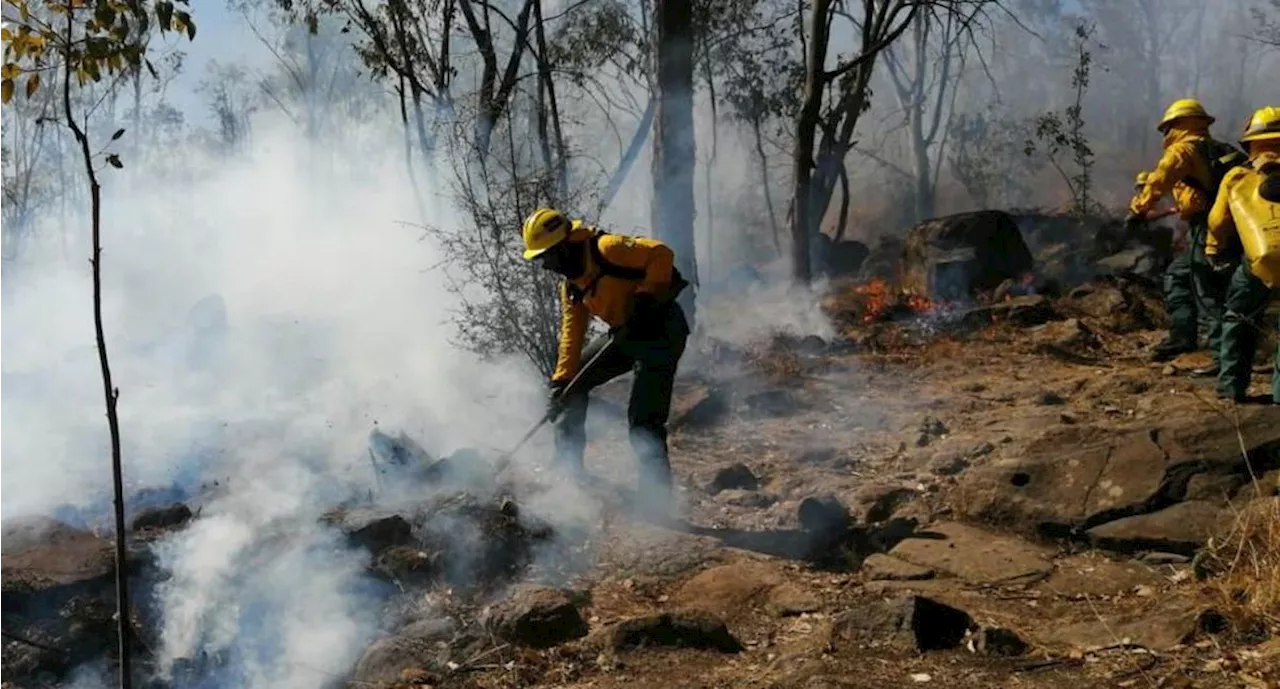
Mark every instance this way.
x=1221 y=222
x=573 y=330
x=653 y=256
x=1177 y=163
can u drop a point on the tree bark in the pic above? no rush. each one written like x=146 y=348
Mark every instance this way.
x=806 y=125
x=673 y=208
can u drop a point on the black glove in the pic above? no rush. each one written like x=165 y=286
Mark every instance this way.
x=555 y=399
x=1218 y=265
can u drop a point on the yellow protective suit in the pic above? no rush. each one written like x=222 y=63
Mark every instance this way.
x=607 y=297
x=1181 y=160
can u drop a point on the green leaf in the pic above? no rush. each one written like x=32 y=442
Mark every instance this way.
x=164 y=12
x=114 y=160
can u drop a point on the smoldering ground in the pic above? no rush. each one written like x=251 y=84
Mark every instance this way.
x=261 y=319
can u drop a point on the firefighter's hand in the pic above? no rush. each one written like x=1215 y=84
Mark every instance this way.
x=555 y=399
x=1218 y=265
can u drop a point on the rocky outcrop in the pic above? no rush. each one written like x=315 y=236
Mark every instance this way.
x=959 y=256
x=1131 y=490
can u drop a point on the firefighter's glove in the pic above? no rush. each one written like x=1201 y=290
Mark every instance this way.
x=556 y=399
x=646 y=317
x=1133 y=222
x=1218 y=265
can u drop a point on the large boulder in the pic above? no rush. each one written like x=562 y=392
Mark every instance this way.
x=1076 y=479
x=962 y=255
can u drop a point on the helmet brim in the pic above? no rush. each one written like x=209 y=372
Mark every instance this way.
x=1260 y=136
x=531 y=254
x=1168 y=124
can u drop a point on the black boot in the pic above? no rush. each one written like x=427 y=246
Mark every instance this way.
x=1170 y=347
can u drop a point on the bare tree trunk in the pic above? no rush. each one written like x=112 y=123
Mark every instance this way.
x=629 y=156
x=806 y=124
x=673 y=208
x=764 y=184
x=110 y=393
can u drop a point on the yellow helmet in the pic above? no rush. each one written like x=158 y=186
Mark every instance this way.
x=543 y=229
x=1263 y=126
x=1141 y=179
x=1181 y=109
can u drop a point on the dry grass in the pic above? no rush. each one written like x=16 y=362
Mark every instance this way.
x=1244 y=566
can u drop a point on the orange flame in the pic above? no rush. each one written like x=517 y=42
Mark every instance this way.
x=878 y=298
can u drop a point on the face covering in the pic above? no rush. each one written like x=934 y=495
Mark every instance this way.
x=567 y=259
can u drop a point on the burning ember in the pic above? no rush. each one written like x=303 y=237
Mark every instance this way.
x=881 y=302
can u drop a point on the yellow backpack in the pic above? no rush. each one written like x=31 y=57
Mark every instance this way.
x=1257 y=218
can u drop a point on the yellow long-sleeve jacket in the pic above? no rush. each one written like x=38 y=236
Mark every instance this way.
x=1181 y=160
x=607 y=297
x=1222 y=223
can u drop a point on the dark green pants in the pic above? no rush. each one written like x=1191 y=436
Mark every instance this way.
x=1242 y=324
x=654 y=361
x=1193 y=291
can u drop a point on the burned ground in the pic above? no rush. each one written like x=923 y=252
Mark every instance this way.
x=998 y=493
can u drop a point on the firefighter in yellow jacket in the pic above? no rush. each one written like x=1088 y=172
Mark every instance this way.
x=1248 y=209
x=1190 y=285
x=631 y=284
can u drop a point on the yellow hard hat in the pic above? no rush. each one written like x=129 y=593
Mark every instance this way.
x=543 y=229
x=1181 y=109
x=1141 y=179
x=1263 y=126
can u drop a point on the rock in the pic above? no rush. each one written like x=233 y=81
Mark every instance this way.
x=535 y=616
x=160 y=518
x=823 y=515
x=1180 y=528
x=433 y=629
x=789 y=599
x=1079 y=477
x=408 y=565
x=1028 y=310
x=59 y=591
x=670 y=630
x=975 y=555
x=880 y=567
x=746 y=498
x=1095 y=576
x=1048 y=398
x=947 y=464
x=374 y=530
x=41 y=554
x=387 y=658
x=735 y=476
x=1070 y=335
x=877 y=502
x=1000 y=642
x=912 y=622
x=962 y=255
x=701 y=408
x=1170 y=624
x=728 y=591
x=933 y=427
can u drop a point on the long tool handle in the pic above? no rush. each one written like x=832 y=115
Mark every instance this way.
x=564 y=392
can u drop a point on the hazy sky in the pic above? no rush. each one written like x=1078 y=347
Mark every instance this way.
x=221 y=34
